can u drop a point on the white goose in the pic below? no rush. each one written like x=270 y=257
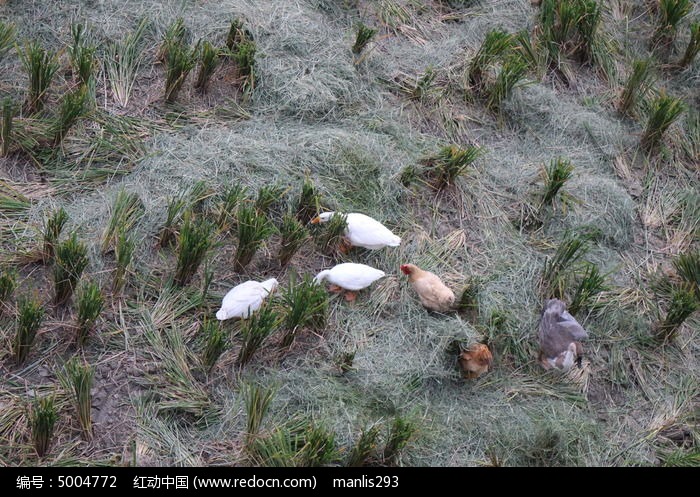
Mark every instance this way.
x=363 y=231
x=350 y=276
x=244 y=299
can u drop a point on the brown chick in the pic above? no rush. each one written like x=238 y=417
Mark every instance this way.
x=433 y=293
x=475 y=361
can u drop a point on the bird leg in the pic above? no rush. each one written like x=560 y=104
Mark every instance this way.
x=335 y=289
x=350 y=296
x=344 y=246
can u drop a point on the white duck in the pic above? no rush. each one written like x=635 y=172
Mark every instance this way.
x=363 y=231
x=244 y=299
x=351 y=277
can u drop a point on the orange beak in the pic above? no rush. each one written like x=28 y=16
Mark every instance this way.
x=315 y=220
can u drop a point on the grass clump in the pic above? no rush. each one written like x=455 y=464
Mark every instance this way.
x=180 y=59
x=29 y=319
x=636 y=87
x=127 y=209
x=306 y=304
x=72 y=107
x=469 y=300
x=208 y=62
x=495 y=44
x=82 y=55
x=331 y=235
x=450 y=163
x=77 y=377
x=195 y=240
x=267 y=196
x=590 y=285
x=399 y=435
x=688 y=268
x=71 y=261
x=237 y=34
x=693 y=47
x=670 y=15
x=8 y=284
x=123 y=253
x=214 y=343
x=665 y=111
x=7 y=37
x=555 y=175
x=244 y=56
x=309 y=202
x=556 y=272
x=253 y=230
x=122 y=63
x=293 y=235
x=226 y=206
x=512 y=73
x=257 y=400
x=53 y=226
x=362 y=38
x=364 y=451
x=8 y=112
x=41 y=66
x=255 y=331
x=683 y=303
x=89 y=303
x=43 y=419
x=297 y=443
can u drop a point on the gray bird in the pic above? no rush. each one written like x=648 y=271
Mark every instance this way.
x=560 y=337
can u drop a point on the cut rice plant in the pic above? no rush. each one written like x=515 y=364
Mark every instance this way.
x=531 y=52
x=450 y=163
x=176 y=207
x=41 y=67
x=362 y=38
x=122 y=63
x=8 y=283
x=590 y=285
x=179 y=61
x=293 y=235
x=244 y=56
x=77 y=378
x=665 y=110
x=399 y=435
x=89 y=303
x=683 y=303
x=588 y=20
x=309 y=202
x=208 y=62
x=175 y=34
x=227 y=205
x=214 y=343
x=638 y=84
x=29 y=318
x=195 y=240
x=267 y=196
x=257 y=400
x=123 y=253
x=53 y=226
x=70 y=262
x=255 y=330
x=7 y=37
x=693 y=47
x=556 y=272
x=555 y=176
x=688 y=268
x=8 y=111
x=330 y=236
x=469 y=300
x=364 y=452
x=671 y=13
x=82 y=55
x=237 y=34
x=43 y=419
x=72 y=108
x=423 y=86
x=512 y=73
x=297 y=443
x=305 y=304
x=127 y=209
x=253 y=230
x=495 y=44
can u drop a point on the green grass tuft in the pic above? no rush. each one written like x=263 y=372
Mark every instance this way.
x=683 y=303
x=670 y=15
x=7 y=37
x=309 y=202
x=6 y=134
x=127 y=209
x=400 y=434
x=255 y=330
x=268 y=195
x=29 y=319
x=89 y=302
x=305 y=304
x=71 y=260
x=237 y=34
x=257 y=400
x=43 y=419
x=293 y=235
x=362 y=38
x=123 y=253
x=590 y=285
x=41 y=66
x=253 y=230
x=693 y=47
x=214 y=343
x=495 y=44
x=82 y=55
x=208 y=62
x=297 y=443
x=77 y=378
x=244 y=56
x=688 y=268
x=449 y=164
x=180 y=59
x=512 y=73
x=72 y=108
x=53 y=226
x=330 y=236
x=8 y=283
x=557 y=268
x=364 y=451
x=664 y=112
x=556 y=175
x=226 y=206
x=122 y=63
x=195 y=240
x=636 y=87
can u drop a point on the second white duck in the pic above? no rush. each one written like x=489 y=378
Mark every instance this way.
x=363 y=231
x=244 y=299
x=351 y=277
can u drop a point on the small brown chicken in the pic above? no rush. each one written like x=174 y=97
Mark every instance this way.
x=433 y=293
x=475 y=361
x=560 y=337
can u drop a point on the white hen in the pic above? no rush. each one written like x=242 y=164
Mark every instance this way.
x=350 y=276
x=244 y=299
x=363 y=231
